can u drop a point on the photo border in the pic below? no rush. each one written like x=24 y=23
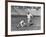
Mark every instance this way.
x=6 y=18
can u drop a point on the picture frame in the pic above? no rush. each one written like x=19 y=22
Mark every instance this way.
x=23 y=5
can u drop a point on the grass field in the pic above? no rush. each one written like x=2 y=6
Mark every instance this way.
x=16 y=19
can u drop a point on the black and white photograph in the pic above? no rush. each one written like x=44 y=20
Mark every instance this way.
x=25 y=18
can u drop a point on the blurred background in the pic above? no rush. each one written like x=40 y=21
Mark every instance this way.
x=23 y=10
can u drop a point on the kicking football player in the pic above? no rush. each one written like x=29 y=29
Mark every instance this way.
x=29 y=15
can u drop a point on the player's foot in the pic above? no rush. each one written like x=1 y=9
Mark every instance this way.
x=31 y=24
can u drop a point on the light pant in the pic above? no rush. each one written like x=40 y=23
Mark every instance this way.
x=28 y=20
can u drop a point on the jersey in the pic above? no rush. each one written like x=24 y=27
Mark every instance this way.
x=29 y=15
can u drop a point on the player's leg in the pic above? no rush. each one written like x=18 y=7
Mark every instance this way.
x=28 y=20
x=17 y=25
